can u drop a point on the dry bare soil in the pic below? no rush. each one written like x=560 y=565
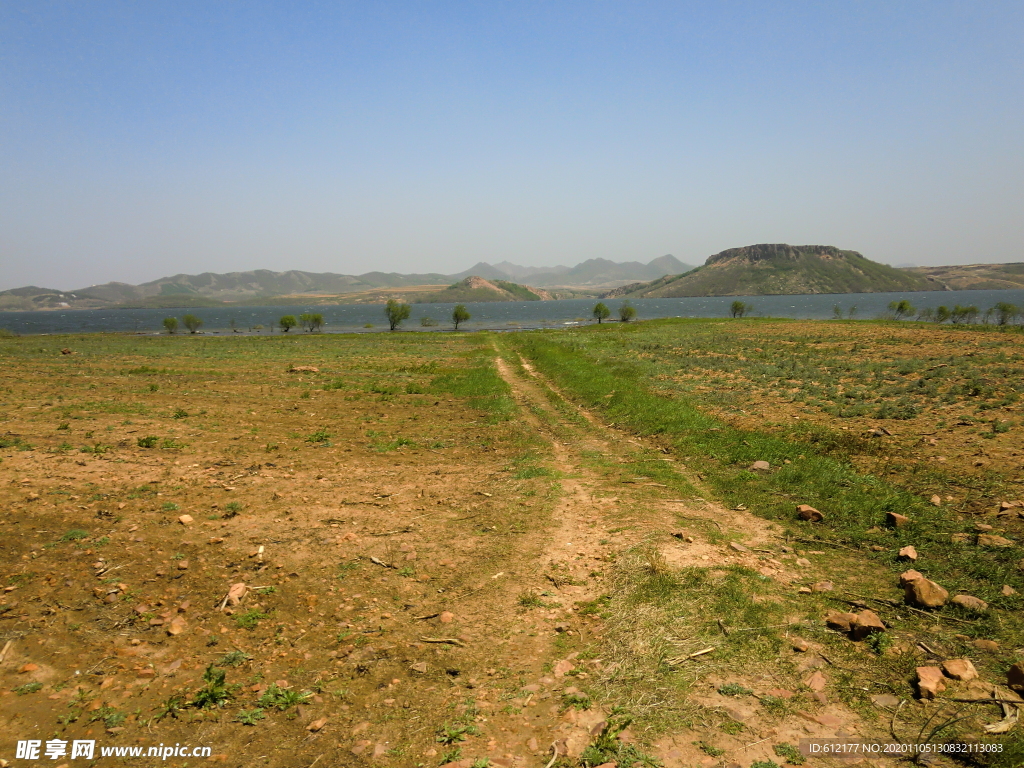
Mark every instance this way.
x=540 y=549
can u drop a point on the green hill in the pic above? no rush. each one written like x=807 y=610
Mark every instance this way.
x=768 y=269
x=475 y=288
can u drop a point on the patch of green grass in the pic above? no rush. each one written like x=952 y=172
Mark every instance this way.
x=75 y=534
x=282 y=699
x=250 y=619
x=452 y=733
x=27 y=688
x=734 y=689
x=150 y=441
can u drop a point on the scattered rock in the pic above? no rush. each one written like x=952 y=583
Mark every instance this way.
x=1008 y=591
x=780 y=693
x=563 y=666
x=177 y=625
x=970 y=603
x=185 y=519
x=799 y=645
x=66 y=351
x=446 y=617
x=738 y=547
x=991 y=540
x=235 y=593
x=822 y=586
x=959 y=669
x=986 y=645
x=930 y=682
x=908 y=553
x=419 y=666
x=1015 y=677
x=960 y=538
x=983 y=527
x=803 y=562
x=866 y=623
x=841 y=622
x=936 y=501
x=26 y=668
x=760 y=466
x=895 y=520
x=303 y=369
x=360 y=747
x=317 y=725
x=816 y=682
x=922 y=592
x=809 y=513
x=183 y=565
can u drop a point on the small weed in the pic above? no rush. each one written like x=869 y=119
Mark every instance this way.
x=765 y=764
x=21 y=690
x=407 y=571
x=171 y=707
x=709 y=749
x=790 y=753
x=110 y=717
x=454 y=733
x=281 y=698
x=530 y=600
x=231 y=509
x=149 y=441
x=234 y=659
x=250 y=716
x=180 y=413
x=576 y=701
x=215 y=693
x=64 y=425
x=170 y=506
x=879 y=642
x=451 y=756
x=74 y=535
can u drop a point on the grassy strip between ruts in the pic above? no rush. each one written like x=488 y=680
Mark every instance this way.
x=855 y=504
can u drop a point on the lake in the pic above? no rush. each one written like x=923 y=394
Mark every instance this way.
x=513 y=315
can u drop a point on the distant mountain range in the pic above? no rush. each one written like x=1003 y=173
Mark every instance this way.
x=771 y=269
x=265 y=286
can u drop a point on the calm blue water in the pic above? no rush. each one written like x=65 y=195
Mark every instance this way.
x=347 y=318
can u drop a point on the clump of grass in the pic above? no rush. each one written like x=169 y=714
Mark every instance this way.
x=75 y=534
x=320 y=436
x=250 y=619
x=576 y=701
x=734 y=689
x=27 y=688
x=150 y=441
x=180 y=413
x=790 y=753
x=234 y=659
x=281 y=698
x=530 y=599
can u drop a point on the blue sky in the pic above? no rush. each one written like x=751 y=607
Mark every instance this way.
x=141 y=139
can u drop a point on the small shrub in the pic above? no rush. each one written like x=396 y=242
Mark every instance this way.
x=150 y=441
x=320 y=436
x=22 y=690
x=454 y=733
x=74 y=535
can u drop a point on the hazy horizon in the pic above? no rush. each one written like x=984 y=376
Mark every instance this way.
x=139 y=141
